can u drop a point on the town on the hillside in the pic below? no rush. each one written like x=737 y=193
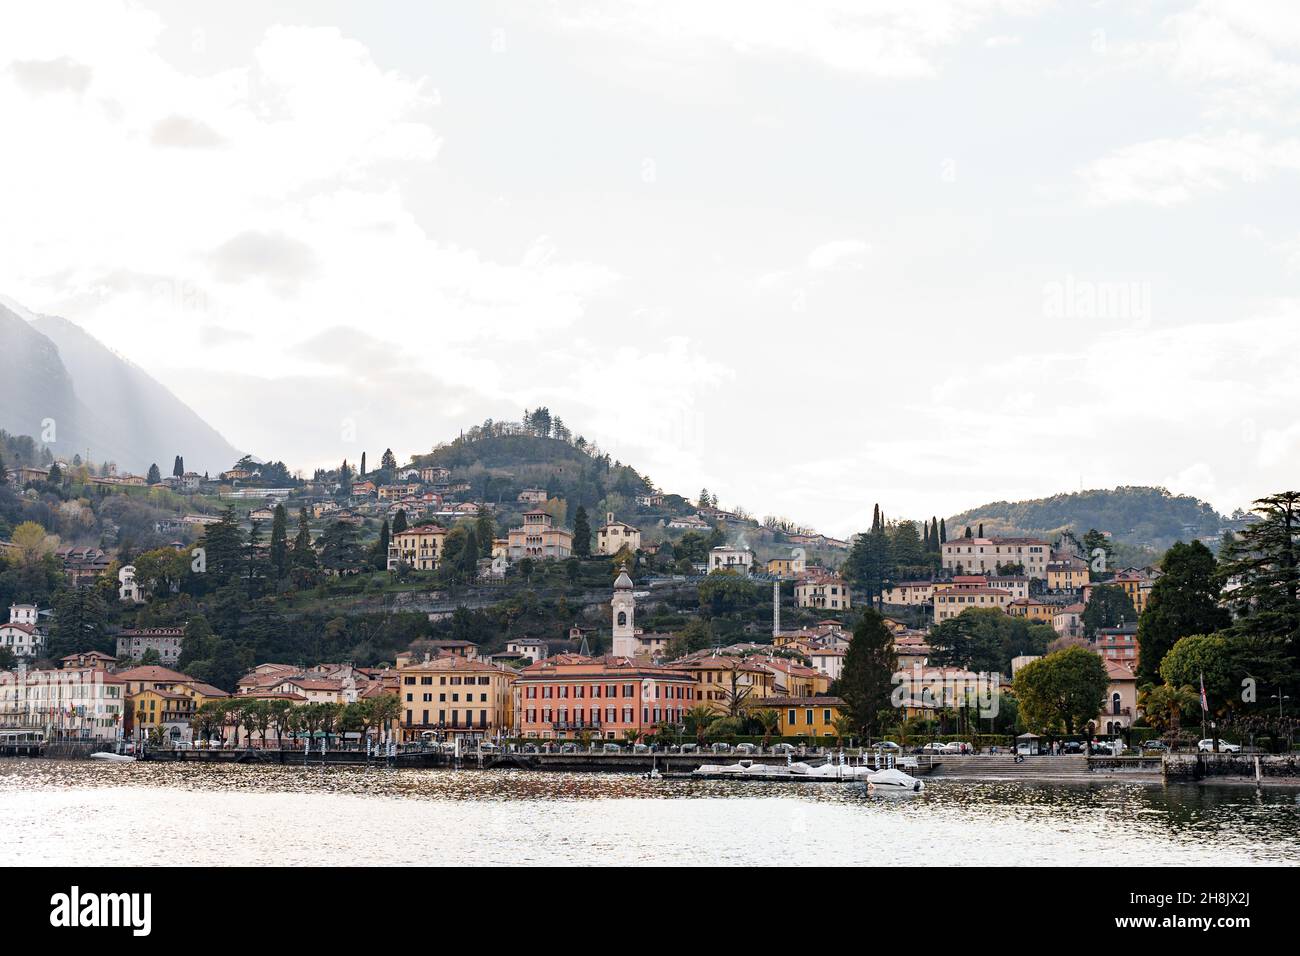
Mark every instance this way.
x=518 y=587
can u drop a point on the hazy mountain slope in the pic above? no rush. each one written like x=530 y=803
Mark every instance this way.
x=1136 y=515
x=101 y=403
x=38 y=388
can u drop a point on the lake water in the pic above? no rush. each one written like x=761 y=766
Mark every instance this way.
x=83 y=814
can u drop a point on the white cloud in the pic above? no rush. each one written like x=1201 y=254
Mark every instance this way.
x=1167 y=172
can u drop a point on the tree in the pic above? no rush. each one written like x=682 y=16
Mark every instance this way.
x=361 y=472
x=388 y=461
x=1062 y=690
x=485 y=530
x=469 y=556
x=80 y=623
x=223 y=545
x=1205 y=657
x=1184 y=600
x=340 y=549
x=178 y=467
x=986 y=639
x=304 y=556
x=868 y=563
x=1098 y=551
x=866 y=681
x=380 y=552
x=1165 y=706
x=1108 y=606
x=279 y=542
x=581 y=533
x=769 y=720
x=399 y=521
x=32 y=542
x=1264 y=567
x=154 y=475
x=704 y=498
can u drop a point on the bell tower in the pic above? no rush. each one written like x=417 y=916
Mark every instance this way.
x=623 y=606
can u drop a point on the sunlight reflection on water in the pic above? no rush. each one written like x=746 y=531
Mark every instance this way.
x=85 y=813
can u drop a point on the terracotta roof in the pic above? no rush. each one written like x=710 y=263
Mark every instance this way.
x=154 y=672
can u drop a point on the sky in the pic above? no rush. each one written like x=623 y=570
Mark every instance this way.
x=810 y=256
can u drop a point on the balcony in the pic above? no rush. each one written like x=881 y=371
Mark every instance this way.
x=577 y=725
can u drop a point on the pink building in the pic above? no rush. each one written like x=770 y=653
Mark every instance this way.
x=562 y=696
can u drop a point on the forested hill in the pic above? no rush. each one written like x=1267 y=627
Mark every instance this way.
x=1134 y=515
x=500 y=460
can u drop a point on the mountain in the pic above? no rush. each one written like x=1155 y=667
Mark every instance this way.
x=100 y=404
x=1133 y=515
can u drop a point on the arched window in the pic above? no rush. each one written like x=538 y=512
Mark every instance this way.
x=622 y=618
x=1114 y=703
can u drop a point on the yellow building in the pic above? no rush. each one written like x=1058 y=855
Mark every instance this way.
x=1034 y=610
x=153 y=708
x=804 y=716
x=1066 y=575
x=951 y=601
x=420 y=546
x=723 y=680
x=613 y=536
x=455 y=696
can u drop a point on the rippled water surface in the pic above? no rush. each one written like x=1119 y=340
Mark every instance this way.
x=81 y=813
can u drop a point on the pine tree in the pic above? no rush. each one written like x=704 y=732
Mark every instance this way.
x=153 y=477
x=1264 y=561
x=1184 y=601
x=943 y=531
x=581 y=533
x=388 y=461
x=381 y=547
x=178 y=467
x=399 y=521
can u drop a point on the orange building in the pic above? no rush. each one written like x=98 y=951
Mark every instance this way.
x=569 y=694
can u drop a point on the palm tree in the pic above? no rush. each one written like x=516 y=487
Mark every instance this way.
x=769 y=720
x=1165 y=706
x=698 y=719
x=843 y=725
x=632 y=735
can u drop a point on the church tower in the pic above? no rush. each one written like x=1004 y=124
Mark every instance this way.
x=624 y=616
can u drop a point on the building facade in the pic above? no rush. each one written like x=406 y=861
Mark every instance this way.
x=539 y=539
x=987 y=555
x=455 y=697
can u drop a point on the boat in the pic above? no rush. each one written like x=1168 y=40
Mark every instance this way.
x=108 y=757
x=892 y=780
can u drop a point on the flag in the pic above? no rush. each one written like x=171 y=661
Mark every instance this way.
x=1205 y=706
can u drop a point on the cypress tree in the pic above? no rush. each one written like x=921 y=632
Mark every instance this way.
x=399 y=521
x=581 y=533
x=362 y=473
x=943 y=530
x=279 y=542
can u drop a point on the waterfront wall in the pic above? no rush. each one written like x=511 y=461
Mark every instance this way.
x=1199 y=766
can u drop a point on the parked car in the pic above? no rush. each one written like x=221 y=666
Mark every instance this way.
x=721 y=748
x=887 y=746
x=640 y=748
x=783 y=748
x=612 y=749
x=530 y=749
x=1072 y=747
x=934 y=747
x=746 y=748
x=1156 y=746
x=956 y=747
x=1207 y=746
x=690 y=748
x=568 y=748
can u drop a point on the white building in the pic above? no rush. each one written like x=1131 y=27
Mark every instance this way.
x=530 y=648
x=740 y=560
x=987 y=555
x=22 y=635
x=128 y=589
x=630 y=640
x=613 y=536
x=70 y=704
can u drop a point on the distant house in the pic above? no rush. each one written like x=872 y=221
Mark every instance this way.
x=128 y=588
x=650 y=501
x=689 y=522
x=133 y=643
x=613 y=536
x=740 y=560
x=22 y=635
x=825 y=591
x=532 y=496
x=419 y=546
x=539 y=538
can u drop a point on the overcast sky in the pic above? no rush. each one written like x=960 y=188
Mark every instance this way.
x=812 y=258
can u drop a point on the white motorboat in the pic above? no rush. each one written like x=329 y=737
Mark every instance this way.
x=108 y=757
x=894 y=781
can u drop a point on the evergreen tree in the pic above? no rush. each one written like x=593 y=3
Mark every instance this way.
x=303 y=554
x=943 y=531
x=381 y=547
x=178 y=467
x=399 y=521
x=981 y=531
x=154 y=475
x=223 y=548
x=4 y=472
x=867 y=679
x=362 y=472
x=1108 y=606
x=80 y=623
x=704 y=498
x=388 y=461
x=581 y=533
x=485 y=531
x=1184 y=601
x=279 y=542
x=469 y=556
x=1264 y=564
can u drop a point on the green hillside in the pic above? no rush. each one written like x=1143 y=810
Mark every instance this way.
x=1140 y=516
